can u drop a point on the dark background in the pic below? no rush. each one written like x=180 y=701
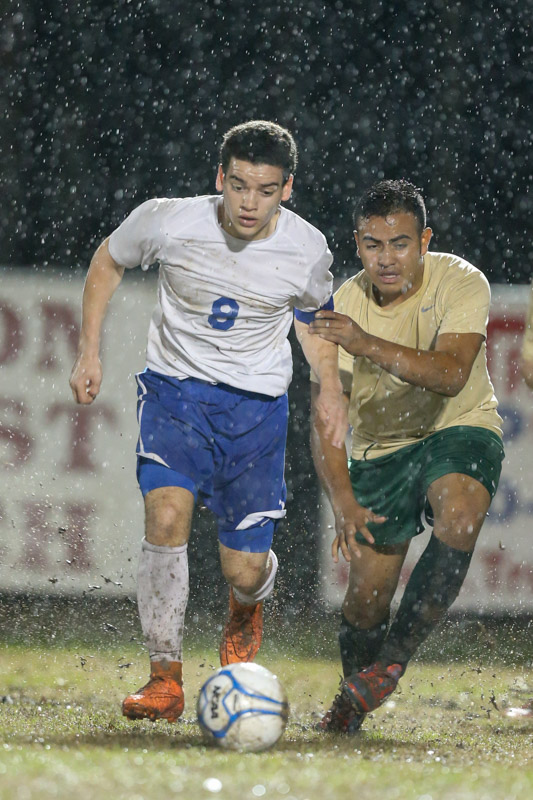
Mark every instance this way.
x=109 y=103
x=106 y=104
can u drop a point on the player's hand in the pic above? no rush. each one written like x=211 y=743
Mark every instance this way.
x=86 y=378
x=340 y=329
x=349 y=520
x=332 y=409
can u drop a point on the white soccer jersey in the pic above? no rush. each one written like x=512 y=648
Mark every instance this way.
x=225 y=305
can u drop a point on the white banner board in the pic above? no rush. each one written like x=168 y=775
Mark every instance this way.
x=501 y=574
x=71 y=516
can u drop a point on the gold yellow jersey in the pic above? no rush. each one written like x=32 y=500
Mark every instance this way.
x=388 y=413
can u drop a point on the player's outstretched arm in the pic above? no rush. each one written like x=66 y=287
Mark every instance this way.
x=331 y=404
x=332 y=469
x=103 y=277
x=444 y=370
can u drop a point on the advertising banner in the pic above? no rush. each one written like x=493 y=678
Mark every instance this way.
x=71 y=516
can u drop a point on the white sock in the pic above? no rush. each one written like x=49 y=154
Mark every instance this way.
x=265 y=590
x=162 y=594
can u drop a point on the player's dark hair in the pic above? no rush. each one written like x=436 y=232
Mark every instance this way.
x=260 y=142
x=386 y=197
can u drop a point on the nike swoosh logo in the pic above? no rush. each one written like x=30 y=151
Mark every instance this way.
x=427 y=308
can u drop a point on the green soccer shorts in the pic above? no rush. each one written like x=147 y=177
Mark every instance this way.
x=396 y=485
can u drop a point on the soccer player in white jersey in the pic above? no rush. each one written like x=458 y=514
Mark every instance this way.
x=234 y=270
x=426 y=438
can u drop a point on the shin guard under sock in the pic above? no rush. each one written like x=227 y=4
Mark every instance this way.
x=359 y=646
x=432 y=588
x=162 y=594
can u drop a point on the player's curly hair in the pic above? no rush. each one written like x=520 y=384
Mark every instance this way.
x=260 y=142
x=386 y=197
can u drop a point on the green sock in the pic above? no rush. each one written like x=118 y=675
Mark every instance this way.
x=358 y=646
x=433 y=586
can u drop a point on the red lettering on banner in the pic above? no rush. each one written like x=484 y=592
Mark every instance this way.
x=40 y=536
x=12 y=335
x=514 y=378
x=76 y=534
x=506 y=576
x=503 y=325
x=82 y=423
x=14 y=432
x=493 y=561
x=36 y=543
x=57 y=318
x=520 y=574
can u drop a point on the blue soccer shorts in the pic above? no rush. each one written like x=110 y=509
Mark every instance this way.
x=225 y=445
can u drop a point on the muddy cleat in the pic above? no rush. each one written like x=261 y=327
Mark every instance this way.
x=368 y=689
x=341 y=717
x=161 y=698
x=242 y=635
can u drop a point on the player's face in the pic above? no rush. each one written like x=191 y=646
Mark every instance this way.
x=252 y=194
x=392 y=251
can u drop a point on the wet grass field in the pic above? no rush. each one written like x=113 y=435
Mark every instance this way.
x=441 y=736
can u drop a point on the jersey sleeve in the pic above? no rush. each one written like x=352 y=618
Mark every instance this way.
x=318 y=289
x=465 y=304
x=527 y=344
x=138 y=239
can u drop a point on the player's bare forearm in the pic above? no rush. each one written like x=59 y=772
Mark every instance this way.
x=322 y=356
x=102 y=280
x=438 y=371
x=444 y=370
x=330 y=462
x=103 y=277
x=332 y=469
x=331 y=405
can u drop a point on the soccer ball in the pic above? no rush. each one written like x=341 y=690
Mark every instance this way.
x=243 y=707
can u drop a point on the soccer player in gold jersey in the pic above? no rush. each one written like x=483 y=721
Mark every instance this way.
x=426 y=439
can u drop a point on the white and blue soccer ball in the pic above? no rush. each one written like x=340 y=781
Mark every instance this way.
x=243 y=707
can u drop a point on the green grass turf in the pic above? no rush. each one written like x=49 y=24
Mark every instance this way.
x=440 y=736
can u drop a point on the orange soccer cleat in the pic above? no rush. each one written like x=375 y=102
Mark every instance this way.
x=161 y=698
x=242 y=635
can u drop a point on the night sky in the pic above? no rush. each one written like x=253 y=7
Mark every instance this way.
x=108 y=104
